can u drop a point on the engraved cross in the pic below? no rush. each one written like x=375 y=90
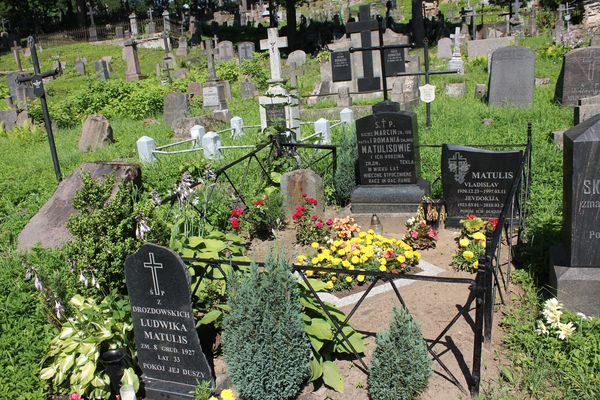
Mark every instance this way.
x=153 y=266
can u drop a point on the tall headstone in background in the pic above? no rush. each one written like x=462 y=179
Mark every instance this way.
x=512 y=77
x=245 y=50
x=92 y=29
x=476 y=181
x=182 y=49
x=16 y=50
x=575 y=265
x=388 y=163
x=225 y=50
x=213 y=92
x=168 y=347
x=444 y=48
x=579 y=77
x=133 y=72
x=133 y=24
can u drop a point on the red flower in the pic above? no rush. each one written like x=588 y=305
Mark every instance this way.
x=329 y=221
x=235 y=223
x=236 y=212
x=311 y=201
x=313 y=217
x=304 y=194
x=259 y=203
x=75 y=396
x=414 y=234
x=471 y=216
x=297 y=215
x=319 y=224
x=494 y=222
x=300 y=208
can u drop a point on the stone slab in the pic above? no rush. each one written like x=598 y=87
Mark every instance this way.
x=403 y=198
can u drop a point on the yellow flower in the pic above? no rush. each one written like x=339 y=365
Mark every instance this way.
x=476 y=264
x=400 y=258
x=351 y=268
x=382 y=268
x=464 y=242
x=417 y=255
x=212 y=398
x=355 y=260
x=301 y=259
x=309 y=273
x=329 y=285
x=314 y=260
x=382 y=261
x=325 y=252
x=227 y=394
x=314 y=245
x=336 y=261
x=360 y=278
x=333 y=278
x=349 y=279
x=346 y=264
x=478 y=236
x=341 y=252
x=371 y=232
x=409 y=254
x=468 y=254
x=362 y=234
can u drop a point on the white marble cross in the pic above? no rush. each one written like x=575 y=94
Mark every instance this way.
x=273 y=43
x=457 y=36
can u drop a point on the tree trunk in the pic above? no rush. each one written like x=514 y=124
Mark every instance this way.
x=290 y=8
x=81 y=8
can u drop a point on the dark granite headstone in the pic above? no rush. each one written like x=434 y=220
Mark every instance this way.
x=175 y=107
x=168 y=348
x=101 y=69
x=386 y=153
x=579 y=77
x=341 y=66
x=394 y=61
x=245 y=50
x=275 y=114
x=512 y=77
x=476 y=181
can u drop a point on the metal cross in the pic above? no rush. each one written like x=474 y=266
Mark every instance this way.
x=37 y=80
x=153 y=266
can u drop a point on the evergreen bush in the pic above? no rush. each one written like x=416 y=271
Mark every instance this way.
x=401 y=365
x=345 y=174
x=264 y=344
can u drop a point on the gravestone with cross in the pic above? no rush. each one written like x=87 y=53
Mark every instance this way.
x=579 y=77
x=213 y=92
x=133 y=72
x=273 y=43
x=168 y=348
x=151 y=27
x=92 y=28
x=364 y=27
x=37 y=80
x=456 y=62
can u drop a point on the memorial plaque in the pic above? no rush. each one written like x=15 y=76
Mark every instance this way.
x=581 y=193
x=512 y=77
x=476 y=181
x=210 y=96
x=168 y=348
x=579 y=77
x=275 y=114
x=394 y=61
x=386 y=153
x=341 y=67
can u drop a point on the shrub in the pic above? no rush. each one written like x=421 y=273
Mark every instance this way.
x=345 y=174
x=401 y=365
x=255 y=68
x=264 y=344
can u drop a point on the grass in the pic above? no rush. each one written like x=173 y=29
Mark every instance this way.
x=27 y=179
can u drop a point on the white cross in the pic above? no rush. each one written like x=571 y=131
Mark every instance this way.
x=153 y=265
x=457 y=36
x=273 y=43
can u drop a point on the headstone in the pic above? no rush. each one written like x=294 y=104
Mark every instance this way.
x=211 y=144
x=388 y=163
x=225 y=50
x=575 y=266
x=194 y=88
x=455 y=89
x=8 y=119
x=182 y=126
x=579 y=77
x=119 y=33
x=477 y=48
x=167 y=343
x=586 y=109
x=245 y=50
x=101 y=70
x=275 y=114
x=341 y=66
x=273 y=43
x=133 y=72
x=296 y=57
x=133 y=24
x=343 y=98
x=95 y=133
x=476 y=181
x=295 y=184
x=394 y=61
x=512 y=77
x=212 y=96
x=175 y=107
x=182 y=50
x=444 y=48
x=80 y=67
x=181 y=73
x=237 y=127
x=49 y=226
x=248 y=90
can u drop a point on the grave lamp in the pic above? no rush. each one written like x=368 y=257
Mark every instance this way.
x=113 y=363
x=376 y=225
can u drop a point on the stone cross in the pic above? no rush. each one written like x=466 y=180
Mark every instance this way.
x=273 y=43
x=17 y=53
x=166 y=21
x=150 y=11
x=457 y=36
x=210 y=55
x=167 y=59
x=3 y=21
x=90 y=13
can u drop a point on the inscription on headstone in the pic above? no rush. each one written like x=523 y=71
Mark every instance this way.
x=476 y=181
x=168 y=348
x=579 y=77
x=386 y=153
x=275 y=114
x=341 y=67
x=394 y=61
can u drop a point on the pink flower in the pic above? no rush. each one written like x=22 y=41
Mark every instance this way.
x=403 y=265
x=471 y=216
x=236 y=212
x=319 y=224
x=304 y=195
x=414 y=234
x=431 y=233
x=235 y=223
x=75 y=396
x=329 y=221
x=313 y=217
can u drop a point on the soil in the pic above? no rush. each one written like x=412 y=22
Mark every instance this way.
x=432 y=304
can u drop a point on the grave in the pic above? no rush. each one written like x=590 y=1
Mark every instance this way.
x=225 y=50
x=456 y=62
x=296 y=183
x=119 y=33
x=8 y=119
x=444 y=48
x=101 y=70
x=579 y=76
x=586 y=109
x=248 y=90
x=175 y=107
x=16 y=50
x=388 y=164
x=96 y=132
x=182 y=49
x=476 y=181
x=245 y=50
x=511 y=77
x=168 y=347
x=575 y=263
x=214 y=91
x=80 y=66
x=133 y=72
x=477 y=48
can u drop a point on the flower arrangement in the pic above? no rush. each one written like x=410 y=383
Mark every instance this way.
x=309 y=227
x=366 y=252
x=260 y=218
x=419 y=235
x=550 y=323
x=345 y=227
x=472 y=242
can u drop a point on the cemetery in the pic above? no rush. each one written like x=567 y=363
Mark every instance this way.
x=263 y=200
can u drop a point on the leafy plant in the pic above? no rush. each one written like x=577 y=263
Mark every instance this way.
x=261 y=217
x=264 y=344
x=309 y=227
x=228 y=70
x=72 y=365
x=255 y=68
x=401 y=366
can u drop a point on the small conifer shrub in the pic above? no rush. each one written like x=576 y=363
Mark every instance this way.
x=401 y=365
x=265 y=347
x=345 y=174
